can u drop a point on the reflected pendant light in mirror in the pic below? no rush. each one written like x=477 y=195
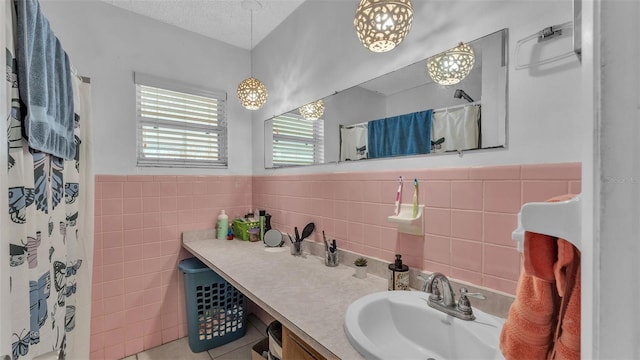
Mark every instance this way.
x=451 y=66
x=252 y=93
x=381 y=25
x=313 y=110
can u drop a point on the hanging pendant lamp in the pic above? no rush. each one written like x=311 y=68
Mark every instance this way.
x=313 y=110
x=451 y=66
x=252 y=93
x=381 y=25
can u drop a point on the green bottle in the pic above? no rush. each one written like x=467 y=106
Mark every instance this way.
x=223 y=225
x=262 y=213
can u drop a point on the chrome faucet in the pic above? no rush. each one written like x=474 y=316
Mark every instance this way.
x=446 y=302
x=431 y=287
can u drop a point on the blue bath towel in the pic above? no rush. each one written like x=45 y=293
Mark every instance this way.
x=408 y=134
x=44 y=83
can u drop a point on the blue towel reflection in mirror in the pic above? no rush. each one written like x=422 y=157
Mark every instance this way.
x=422 y=132
x=408 y=134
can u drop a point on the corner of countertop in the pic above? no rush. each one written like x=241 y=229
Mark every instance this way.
x=195 y=235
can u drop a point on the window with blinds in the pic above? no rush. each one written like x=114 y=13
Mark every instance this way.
x=297 y=141
x=178 y=126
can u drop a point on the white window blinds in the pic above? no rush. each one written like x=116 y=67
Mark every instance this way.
x=178 y=126
x=297 y=141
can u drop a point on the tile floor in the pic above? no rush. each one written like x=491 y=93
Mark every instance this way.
x=237 y=350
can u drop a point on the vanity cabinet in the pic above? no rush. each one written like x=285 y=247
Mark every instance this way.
x=294 y=348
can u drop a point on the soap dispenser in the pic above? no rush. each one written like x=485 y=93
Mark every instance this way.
x=398 y=275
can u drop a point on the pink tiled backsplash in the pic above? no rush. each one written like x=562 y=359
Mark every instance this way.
x=469 y=214
x=137 y=296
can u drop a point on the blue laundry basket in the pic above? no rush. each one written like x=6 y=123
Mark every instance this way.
x=216 y=311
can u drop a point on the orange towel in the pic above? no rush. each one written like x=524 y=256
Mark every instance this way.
x=528 y=331
x=540 y=254
x=544 y=320
x=567 y=270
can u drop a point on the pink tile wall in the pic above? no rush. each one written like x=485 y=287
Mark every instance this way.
x=138 y=296
x=470 y=214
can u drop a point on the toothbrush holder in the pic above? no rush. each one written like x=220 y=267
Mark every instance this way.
x=296 y=248
x=331 y=258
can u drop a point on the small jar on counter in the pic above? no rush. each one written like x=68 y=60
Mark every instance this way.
x=254 y=234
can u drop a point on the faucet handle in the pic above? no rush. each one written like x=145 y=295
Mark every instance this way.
x=464 y=305
x=464 y=292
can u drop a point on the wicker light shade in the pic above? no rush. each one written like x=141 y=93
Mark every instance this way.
x=451 y=66
x=252 y=93
x=381 y=25
x=313 y=110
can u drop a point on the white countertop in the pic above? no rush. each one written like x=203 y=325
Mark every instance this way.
x=307 y=297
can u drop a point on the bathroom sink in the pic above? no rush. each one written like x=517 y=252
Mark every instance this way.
x=400 y=325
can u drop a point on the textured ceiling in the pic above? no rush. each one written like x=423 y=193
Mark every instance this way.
x=224 y=20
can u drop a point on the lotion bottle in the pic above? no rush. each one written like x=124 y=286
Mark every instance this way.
x=223 y=225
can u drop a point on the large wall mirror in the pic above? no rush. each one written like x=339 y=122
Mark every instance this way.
x=352 y=124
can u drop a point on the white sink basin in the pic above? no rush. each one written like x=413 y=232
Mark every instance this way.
x=400 y=325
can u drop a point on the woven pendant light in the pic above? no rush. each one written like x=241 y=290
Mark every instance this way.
x=451 y=66
x=252 y=93
x=313 y=110
x=381 y=25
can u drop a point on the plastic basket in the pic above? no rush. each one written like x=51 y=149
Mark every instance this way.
x=241 y=228
x=216 y=311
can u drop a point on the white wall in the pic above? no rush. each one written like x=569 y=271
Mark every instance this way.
x=340 y=109
x=108 y=45
x=5 y=299
x=433 y=96
x=542 y=116
x=615 y=182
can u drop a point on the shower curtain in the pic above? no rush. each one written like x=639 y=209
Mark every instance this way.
x=460 y=128
x=50 y=233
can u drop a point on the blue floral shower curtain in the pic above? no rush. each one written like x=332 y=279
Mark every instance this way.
x=45 y=235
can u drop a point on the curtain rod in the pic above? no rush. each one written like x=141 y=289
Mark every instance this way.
x=351 y=126
x=456 y=107
x=364 y=124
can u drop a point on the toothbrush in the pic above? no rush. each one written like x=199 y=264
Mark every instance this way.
x=415 y=198
x=398 y=195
